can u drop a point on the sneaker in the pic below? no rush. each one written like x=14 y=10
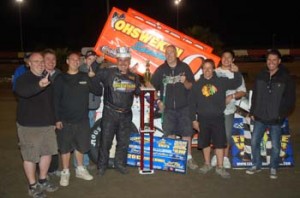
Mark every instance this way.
x=222 y=172
x=64 y=178
x=83 y=173
x=192 y=164
x=48 y=186
x=205 y=169
x=214 y=161
x=252 y=170
x=273 y=173
x=36 y=192
x=54 y=173
x=226 y=163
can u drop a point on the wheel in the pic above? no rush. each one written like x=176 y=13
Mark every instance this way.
x=95 y=138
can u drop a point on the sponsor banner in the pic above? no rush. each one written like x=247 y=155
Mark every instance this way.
x=168 y=154
x=146 y=43
x=166 y=29
x=241 y=145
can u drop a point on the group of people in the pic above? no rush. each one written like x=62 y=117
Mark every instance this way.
x=210 y=101
x=56 y=111
x=187 y=103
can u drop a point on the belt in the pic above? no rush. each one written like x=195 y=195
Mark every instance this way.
x=117 y=109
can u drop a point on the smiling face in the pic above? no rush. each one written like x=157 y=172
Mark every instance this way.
x=208 y=68
x=123 y=64
x=50 y=61
x=226 y=60
x=73 y=62
x=36 y=63
x=90 y=59
x=273 y=62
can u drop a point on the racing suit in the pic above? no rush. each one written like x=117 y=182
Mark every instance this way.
x=119 y=90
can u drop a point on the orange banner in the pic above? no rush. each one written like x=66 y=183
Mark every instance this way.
x=166 y=29
x=146 y=43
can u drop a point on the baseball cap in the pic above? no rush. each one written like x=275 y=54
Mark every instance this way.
x=123 y=52
x=90 y=53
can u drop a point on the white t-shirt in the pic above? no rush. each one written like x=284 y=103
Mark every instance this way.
x=230 y=107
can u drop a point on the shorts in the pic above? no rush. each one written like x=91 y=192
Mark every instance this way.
x=212 y=131
x=74 y=136
x=35 y=142
x=177 y=122
x=228 y=127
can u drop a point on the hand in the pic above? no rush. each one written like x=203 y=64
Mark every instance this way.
x=182 y=78
x=44 y=82
x=91 y=73
x=228 y=99
x=196 y=125
x=100 y=59
x=161 y=106
x=59 y=125
x=234 y=67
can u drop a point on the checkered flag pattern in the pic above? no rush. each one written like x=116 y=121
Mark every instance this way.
x=241 y=148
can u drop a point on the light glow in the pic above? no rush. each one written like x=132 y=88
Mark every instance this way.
x=177 y=2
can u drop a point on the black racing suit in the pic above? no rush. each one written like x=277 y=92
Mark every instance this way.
x=119 y=91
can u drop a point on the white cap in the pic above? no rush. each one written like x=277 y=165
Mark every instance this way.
x=123 y=52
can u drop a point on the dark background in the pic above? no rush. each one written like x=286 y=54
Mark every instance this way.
x=78 y=23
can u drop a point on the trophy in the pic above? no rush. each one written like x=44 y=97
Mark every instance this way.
x=147 y=75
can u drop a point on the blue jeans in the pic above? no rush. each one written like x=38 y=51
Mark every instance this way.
x=92 y=117
x=257 y=135
x=86 y=159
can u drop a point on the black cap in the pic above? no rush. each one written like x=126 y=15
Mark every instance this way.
x=90 y=53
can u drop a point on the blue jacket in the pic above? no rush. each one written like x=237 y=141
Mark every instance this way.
x=18 y=72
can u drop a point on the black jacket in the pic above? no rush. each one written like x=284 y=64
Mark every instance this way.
x=209 y=95
x=273 y=96
x=35 y=104
x=176 y=95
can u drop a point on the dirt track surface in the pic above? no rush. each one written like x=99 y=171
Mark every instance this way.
x=161 y=184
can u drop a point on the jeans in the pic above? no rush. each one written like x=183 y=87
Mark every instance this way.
x=92 y=114
x=257 y=135
x=86 y=159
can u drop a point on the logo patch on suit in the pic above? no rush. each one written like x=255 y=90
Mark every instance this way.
x=123 y=85
x=209 y=90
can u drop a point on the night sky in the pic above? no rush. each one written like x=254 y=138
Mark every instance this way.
x=78 y=23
